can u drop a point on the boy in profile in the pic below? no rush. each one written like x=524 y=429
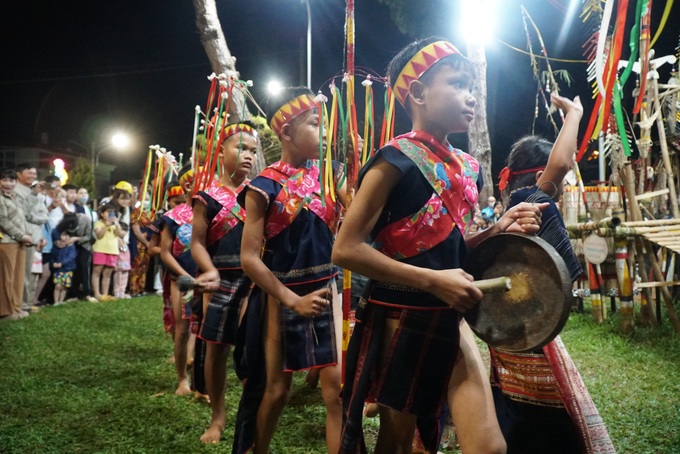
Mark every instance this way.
x=416 y=197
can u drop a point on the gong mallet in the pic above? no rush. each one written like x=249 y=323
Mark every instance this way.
x=186 y=283
x=494 y=285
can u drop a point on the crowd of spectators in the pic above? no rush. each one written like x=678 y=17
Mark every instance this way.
x=56 y=247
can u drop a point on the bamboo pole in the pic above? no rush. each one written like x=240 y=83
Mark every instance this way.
x=664 y=152
x=650 y=222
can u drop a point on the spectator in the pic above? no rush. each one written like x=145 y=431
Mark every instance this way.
x=487 y=212
x=14 y=236
x=105 y=250
x=71 y=191
x=29 y=197
x=53 y=201
x=121 y=275
x=82 y=281
x=63 y=259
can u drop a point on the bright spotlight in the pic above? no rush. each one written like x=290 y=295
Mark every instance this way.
x=274 y=87
x=477 y=19
x=120 y=140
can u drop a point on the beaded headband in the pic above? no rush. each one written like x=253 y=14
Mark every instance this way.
x=290 y=110
x=423 y=60
x=186 y=176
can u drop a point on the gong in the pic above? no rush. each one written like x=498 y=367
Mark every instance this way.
x=535 y=308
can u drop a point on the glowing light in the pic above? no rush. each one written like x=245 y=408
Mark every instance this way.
x=60 y=170
x=120 y=140
x=477 y=20
x=274 y=87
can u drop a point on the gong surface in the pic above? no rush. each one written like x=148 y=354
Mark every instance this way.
x=536 y=308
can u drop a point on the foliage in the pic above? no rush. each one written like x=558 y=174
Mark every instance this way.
x=94 y=378
x=82 y=175
x=270 y=144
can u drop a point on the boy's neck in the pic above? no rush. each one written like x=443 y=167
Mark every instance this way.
x=420 y=124
x=289 y=156
x=231 y=182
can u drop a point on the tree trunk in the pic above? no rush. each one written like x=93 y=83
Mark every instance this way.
x=222 y=62
x=478 y=135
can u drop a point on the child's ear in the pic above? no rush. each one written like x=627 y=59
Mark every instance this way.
x=538 y=175
x=416 y=91
x=286 y=131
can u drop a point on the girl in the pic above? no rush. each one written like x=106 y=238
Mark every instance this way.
x=105 y=250
x=120 y=277
x=542 y=404
x=290 y=307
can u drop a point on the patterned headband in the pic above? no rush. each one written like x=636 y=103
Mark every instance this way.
x=186 y=176
x=174 y=191
x=290 y=110
x=236 y=128
x=419 y=64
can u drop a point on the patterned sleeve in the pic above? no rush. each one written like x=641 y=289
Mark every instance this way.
x=264 y=186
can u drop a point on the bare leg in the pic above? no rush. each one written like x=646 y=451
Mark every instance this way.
x=396 y=432
x=277 y=391
x=46 y=273
x=180 y=342
x=330 y=391
x=215 y=377
x=471 y=401
x=96 y=284
x=396 y=428
x=106 y=280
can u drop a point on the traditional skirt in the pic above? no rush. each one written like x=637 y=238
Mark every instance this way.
x=412 y=377
x=221 y=318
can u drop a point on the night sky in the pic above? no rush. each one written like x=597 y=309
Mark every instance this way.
x=73 y=70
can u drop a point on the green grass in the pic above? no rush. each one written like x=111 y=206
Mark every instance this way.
x=93 y=378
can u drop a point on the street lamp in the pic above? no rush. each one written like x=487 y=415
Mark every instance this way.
x=309 y=44
x=118 y=141
x=274 y=87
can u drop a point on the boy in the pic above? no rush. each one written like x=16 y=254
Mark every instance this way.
x=416 y=196
x=293 y=273
x=216 y=247
x=175 y=253
x=63 y=258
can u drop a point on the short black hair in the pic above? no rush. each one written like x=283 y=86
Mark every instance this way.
x=69 y=186
x=527 y=153
x=8 y=173
x=285 y=96
x=23 y=166
x=52 y=179
x=396 y=66
x=69 y=224
x=103 y=208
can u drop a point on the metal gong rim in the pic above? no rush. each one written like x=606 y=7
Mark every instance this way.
x=536 y=309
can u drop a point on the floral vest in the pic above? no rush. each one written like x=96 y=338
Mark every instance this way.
x=453 y=176
x=300 y=190
x=183 y=216
x=229 y=216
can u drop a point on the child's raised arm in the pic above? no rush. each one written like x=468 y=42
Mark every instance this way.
x=455 y=287
x=251 y=261
x=562 y=154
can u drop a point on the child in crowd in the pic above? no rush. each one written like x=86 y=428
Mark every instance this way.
x=416 y=196
x=120 y=277
x=541 y=401
x=175 y=253
x=105 y=250
x=216 y=248
x=63 y=258
x=294 y=310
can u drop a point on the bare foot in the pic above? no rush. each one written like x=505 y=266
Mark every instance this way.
x=183 y=387
x=199 y=396
x=213 y=434
x=371 y=410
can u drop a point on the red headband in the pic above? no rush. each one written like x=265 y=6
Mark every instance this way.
x=506 y=175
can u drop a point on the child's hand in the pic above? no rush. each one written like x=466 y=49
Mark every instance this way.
x=312 y=303
x=567 y=105
x=523 y=218
x=456 y=288
x=209 y=281
x=56 y=265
